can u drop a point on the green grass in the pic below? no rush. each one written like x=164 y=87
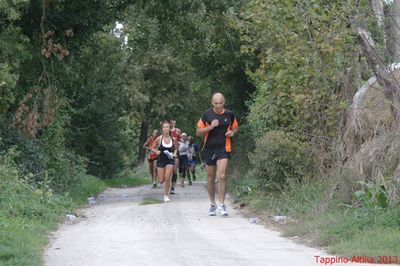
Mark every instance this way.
x=130 y=177
x=201 y=174
x=374 y=242
x=89 y=187
x=150 y=200
x=325 y=221
x=351 y=232
x=127 y=181
x=27 y=216
x=22 y=241
x=296 y=201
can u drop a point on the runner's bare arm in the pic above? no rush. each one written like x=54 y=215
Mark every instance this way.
x=146 y=144
x=233 y=129
x=231 y=133
x=201 y=131
x=176 y=147
x=155 y=145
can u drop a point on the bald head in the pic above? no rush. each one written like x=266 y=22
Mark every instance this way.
x=218 y=97
x=218 y=102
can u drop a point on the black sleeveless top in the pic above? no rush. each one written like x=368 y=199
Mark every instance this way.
x=163 y=148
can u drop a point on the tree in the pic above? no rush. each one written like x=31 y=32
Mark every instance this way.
x=44 y=74
x=182 y=52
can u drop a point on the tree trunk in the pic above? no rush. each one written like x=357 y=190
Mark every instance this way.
x=377 y=7
x=395 y=19
x=393 y=30
x=379 y=11
x=383 y=74
x=144 y=127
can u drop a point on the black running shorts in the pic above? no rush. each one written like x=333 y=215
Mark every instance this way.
x=161 y=163
x=210 y=157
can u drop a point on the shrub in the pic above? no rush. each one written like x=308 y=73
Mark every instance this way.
x=243 y=144
x=279 y=157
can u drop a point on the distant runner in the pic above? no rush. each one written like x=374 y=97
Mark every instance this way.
x=183 y=157
x=192 y=160
x=176 y=135
x=152 y=157
x=218 y=125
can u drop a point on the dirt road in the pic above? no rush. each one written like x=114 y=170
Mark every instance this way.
x=119 y=231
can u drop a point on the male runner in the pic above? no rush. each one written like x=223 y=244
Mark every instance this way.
x=218 y=125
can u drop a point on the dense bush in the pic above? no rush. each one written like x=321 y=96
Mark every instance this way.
x=43 y=159
x=280 y=157
x=243 y=144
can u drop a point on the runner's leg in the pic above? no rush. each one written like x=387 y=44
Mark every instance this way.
x=193 y=171
x=151 y=169
x=169 y=168
x=161 y=173
x=221 y=173
x=188 y=166
x=182 y=169
x=155 y=172
x=211 y=182
x=175 y=175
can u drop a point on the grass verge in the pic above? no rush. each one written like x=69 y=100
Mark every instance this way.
x=27 y=214
x=129 y=181
x=318 y=217
x=130 y=178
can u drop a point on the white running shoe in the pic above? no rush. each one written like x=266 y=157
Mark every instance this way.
x=166 y=198
x=221 y=210
x=212 y=211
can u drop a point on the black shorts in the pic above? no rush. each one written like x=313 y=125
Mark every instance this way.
x=210 y=157
x=162 y=163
